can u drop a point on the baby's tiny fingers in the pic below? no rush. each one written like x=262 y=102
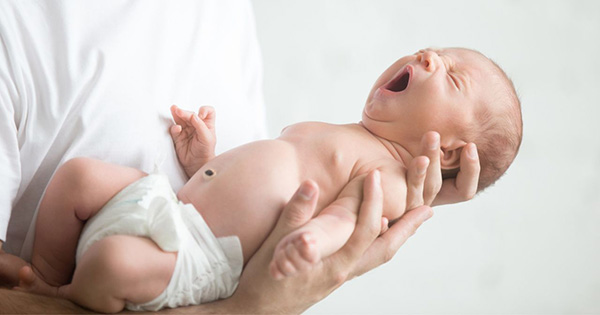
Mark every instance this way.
x=175 y=114
x=175 y=131
x=208 y=115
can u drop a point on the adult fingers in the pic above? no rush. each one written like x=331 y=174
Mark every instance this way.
x=464 y=186
x=416 y=181
x=368 y=225
x=385 y=247
x=430 y=147
x=468 y=178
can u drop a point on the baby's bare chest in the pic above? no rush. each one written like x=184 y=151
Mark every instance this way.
x=250 y=185
x=330 y=155
x=335 y=153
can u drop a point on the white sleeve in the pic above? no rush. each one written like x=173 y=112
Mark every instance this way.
x=10 y=167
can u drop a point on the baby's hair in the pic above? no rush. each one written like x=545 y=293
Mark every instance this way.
x=501 y=132
x=497 y=134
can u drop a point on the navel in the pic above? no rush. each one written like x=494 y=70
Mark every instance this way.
x=209 y=174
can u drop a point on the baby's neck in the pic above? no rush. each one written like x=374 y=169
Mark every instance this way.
x=398 y=151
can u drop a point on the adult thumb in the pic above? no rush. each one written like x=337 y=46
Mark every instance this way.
x=298 y=211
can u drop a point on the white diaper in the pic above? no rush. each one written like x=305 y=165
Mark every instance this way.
x=207 y=268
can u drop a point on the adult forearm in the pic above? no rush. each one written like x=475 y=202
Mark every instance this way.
x=226 y=306
x=13 y=302
x=20 y=302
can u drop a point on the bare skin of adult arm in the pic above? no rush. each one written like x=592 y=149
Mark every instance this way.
x=258 y=292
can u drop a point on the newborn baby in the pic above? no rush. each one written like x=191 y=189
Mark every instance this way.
x=190 y=249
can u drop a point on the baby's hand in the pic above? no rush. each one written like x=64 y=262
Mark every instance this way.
x=194 y=137
x=294 y=254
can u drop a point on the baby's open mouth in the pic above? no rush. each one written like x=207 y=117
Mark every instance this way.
x=400 y=82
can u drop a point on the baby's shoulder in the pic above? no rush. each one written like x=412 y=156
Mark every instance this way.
x=310 y=127
x=326 y=130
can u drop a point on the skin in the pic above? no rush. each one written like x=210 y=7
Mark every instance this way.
x=444 y=94
x=258 y=292
x=391 y=174
x=441 y=96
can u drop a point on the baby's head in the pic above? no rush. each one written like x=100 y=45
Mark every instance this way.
x=459 y=93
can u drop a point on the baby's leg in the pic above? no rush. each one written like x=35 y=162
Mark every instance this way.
x=114 y=270
x=320 y=237
x=298 y=253
x=76 y=192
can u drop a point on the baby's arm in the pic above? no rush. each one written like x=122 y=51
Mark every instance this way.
x=322 y=236
x=194 y=137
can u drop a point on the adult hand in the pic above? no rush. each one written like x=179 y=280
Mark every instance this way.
x=366 y=249
x=452 y=190
x=258 y=292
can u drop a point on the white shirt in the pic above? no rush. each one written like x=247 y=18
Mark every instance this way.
x=97 y=78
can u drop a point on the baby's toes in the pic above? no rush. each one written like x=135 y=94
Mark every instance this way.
x=306 y=246
x=286 y=263
x=274 y=270
x=281 y=266
x=30 y=282
x=26 y=277
x=293 y=255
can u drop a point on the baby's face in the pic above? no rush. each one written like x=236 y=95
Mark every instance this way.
x=434 y=89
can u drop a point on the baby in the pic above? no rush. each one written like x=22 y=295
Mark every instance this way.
x=139 y=246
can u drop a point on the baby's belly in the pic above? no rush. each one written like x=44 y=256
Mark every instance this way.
x=247 y=190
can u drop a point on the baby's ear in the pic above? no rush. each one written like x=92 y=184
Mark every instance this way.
x=450 y=157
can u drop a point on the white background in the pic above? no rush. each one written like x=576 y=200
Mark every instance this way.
x=531 y=244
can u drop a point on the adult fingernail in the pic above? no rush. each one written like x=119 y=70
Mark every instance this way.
x=421 y=169
x=435 y=143
x=472 y=152
x=306 y=191
x=427 y=215
x=377 y=177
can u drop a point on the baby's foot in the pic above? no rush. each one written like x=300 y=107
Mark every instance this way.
x=30 y=282
x=295 y=253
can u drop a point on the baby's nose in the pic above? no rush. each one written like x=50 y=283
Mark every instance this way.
x=427 y=59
